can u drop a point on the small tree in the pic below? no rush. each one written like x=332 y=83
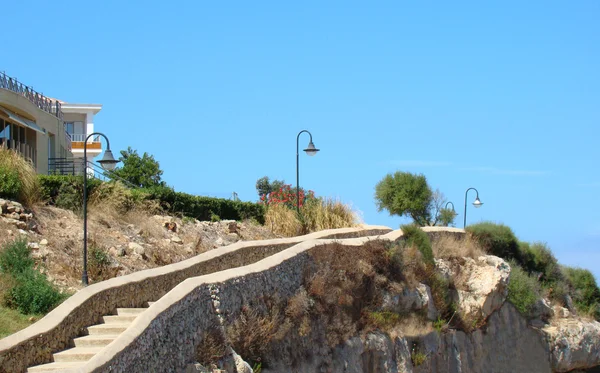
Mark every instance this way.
x=142 y=171
x=265 y=187
x=407 y=194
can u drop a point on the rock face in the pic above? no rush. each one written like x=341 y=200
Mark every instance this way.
x=481 y=285
x=573 y=344
x=411 y=300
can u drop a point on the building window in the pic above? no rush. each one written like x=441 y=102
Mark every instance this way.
x=69 y=127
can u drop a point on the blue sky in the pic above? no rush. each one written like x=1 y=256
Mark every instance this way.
x=502 y=97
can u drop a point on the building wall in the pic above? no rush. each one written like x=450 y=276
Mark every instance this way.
x=47 y=121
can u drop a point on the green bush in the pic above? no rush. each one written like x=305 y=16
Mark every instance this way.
x=33 y=293
x=14 y=258
x=203 y=208
x=523 y=289
x=496 y=239
x=585 y=293
x=66 y=191
x=417 y=237
x=10 y=183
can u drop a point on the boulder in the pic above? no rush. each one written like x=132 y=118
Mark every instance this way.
x=573 y=344
x=44 y=242
x=410 y=300
x=177 y=240
x=542 y=310
x=481 y=285
x=136 y=248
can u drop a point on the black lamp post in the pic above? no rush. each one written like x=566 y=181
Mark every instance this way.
x=108 y=162
x=477 y=203
x=310 y=150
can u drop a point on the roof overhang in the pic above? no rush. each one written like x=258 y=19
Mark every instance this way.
x=21 y=121
x=80 y=108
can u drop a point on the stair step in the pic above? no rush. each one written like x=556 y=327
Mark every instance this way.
x=118 y=319
x=53 y=367
x=104 y=329
x=76 y=354
x=96 y=340
x=129 y=311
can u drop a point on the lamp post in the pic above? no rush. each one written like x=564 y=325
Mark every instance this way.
x=450 y=203
x=108 y=162
x=310 y=150
x=477 y=203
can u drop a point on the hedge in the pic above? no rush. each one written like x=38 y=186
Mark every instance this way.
x=203 y=208
x=67 y=192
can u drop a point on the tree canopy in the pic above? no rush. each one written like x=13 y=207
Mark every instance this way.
x=264 y=186
x=141 y=171
x=407 y=194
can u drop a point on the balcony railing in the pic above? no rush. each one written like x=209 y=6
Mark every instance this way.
x=81 y=137
x=50 y=106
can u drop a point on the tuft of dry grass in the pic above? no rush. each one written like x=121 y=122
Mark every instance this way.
x=251 y=332
x=283 y=221
x=30 y=188
x=316 y=215
x=327 y=213
x=212 y=347
x=450 y=246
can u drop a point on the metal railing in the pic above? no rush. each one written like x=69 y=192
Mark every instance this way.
x=74 y=166
x=80 y=137
x=42 y=102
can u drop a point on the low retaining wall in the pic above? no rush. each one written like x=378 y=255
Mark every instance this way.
x=165 y=337
x=36 y=344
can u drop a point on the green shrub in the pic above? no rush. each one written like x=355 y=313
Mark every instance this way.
x=203 y=208
x=417 y=237
x=100 y=264
x=33 y=293
x=523 y=289
x=10 y=184
x=585 y=293
x=496 y=239
x=14 y=258
x=66 y=191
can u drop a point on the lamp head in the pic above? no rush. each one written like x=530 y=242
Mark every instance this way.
x=311 y=150
x=477 y=203
x=108 y=162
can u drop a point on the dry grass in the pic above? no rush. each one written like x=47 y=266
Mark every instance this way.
x=283 y=221
x=450 y=246
x=317 y=215
x=30 y=188
x=211 y=348
x=328 y=213
x=251 y=332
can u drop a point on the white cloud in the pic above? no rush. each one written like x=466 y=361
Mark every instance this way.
x=499 y=171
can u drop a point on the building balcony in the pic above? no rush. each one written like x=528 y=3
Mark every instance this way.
x=77 y=141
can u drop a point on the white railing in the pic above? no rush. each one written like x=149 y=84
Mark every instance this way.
x=81 y=137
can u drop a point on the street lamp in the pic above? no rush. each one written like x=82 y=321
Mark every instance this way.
x=450 y=203
x=477 y=203
x=108 y=162
x=310 y=150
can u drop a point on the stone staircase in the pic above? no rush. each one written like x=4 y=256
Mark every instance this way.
x=99 y=336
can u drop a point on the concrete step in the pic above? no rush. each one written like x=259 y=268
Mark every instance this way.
x=104 y=329
x=96 y=340
x=53 y=367
x=150 y=303
x=118 y=319
x=129 y=311
x=76 y=354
